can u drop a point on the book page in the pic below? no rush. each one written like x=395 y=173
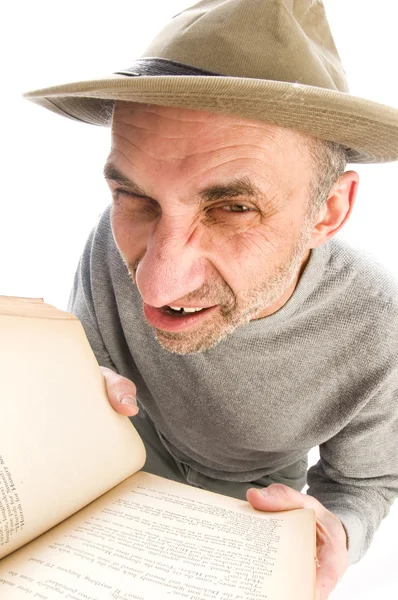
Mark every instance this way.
x=61 y=443
x=31 y=307
x=150 y=538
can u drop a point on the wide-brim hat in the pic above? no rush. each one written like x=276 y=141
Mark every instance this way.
x=273 y=60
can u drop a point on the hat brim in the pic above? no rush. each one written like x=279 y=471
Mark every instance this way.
x=367 y=129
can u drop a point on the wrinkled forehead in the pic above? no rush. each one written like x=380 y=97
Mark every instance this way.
x=181 y=122
x=160 y=145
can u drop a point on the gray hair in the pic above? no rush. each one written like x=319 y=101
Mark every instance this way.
x=330 y=161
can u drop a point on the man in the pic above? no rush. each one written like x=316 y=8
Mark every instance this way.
x=213 y=289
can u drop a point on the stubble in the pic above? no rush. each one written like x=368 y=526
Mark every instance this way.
x=234 y=311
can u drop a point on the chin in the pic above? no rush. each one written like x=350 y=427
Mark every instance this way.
x=195 y=342
x=184 y=346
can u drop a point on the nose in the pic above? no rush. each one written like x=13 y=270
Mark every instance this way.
x=172 y=266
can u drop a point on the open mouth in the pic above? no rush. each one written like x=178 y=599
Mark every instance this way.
x=179 y=310
x=175 y=318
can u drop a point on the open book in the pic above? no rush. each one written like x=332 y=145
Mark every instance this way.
x=77 y=519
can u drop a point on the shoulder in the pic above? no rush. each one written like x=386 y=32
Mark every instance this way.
x=362 y=288
x=363 y=275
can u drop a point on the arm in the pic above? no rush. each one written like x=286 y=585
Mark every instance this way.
x=357 y=475
x=352 y=486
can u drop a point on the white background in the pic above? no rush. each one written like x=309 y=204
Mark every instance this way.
x=52 y=190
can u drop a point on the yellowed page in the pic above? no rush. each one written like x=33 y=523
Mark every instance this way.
x=154 y=539
x=18 y=300
x=31 y=307
x=61 y=443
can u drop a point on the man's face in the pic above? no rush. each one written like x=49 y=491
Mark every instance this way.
x=210 y=212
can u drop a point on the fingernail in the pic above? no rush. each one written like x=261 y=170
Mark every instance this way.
x=129 y=401
x=263 y=492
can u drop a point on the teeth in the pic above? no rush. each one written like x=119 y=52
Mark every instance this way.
x=181 y=309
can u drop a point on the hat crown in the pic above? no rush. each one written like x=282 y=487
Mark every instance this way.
x=279 y=40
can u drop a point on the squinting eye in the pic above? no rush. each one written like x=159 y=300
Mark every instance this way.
x=122 y=192
x=237 y=208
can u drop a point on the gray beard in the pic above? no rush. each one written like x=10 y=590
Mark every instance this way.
x=236 y=314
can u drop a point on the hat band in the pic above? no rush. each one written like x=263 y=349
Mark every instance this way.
x=151 y=67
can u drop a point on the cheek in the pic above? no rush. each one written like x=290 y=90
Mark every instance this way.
x=250 y=248
x=244 y=259
x=130 y=237
x=247 y=259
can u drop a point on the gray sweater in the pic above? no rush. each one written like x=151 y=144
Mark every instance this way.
x=322 y=371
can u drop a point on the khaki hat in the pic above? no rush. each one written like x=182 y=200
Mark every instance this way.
x=269 y=60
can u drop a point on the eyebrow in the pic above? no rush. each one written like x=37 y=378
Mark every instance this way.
x=111 y=173
x=236 y=188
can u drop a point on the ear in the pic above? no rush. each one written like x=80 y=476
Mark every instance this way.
x=336 y=209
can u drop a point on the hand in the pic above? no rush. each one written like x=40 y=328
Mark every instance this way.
x=121 y=392
x=331 y=538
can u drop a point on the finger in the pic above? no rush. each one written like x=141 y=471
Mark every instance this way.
x=281 y=497
x=121 y=392
x=331 y=537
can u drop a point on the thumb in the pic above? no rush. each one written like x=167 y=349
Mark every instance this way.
x=121 y=392
x=279 y=497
